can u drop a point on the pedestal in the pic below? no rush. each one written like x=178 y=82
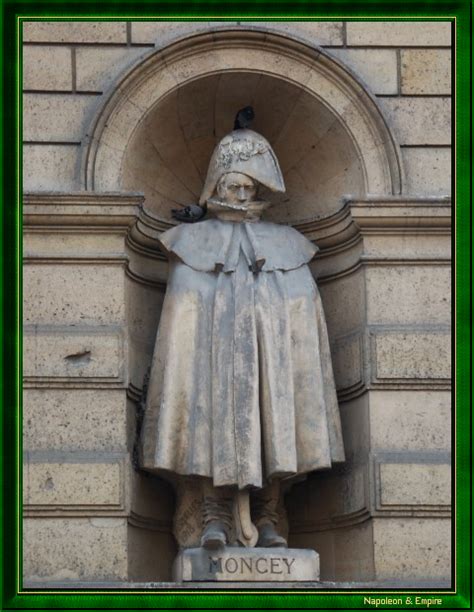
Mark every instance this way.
x=247 y=564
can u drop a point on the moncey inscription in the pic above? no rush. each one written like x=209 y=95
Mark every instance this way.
x=246 y=565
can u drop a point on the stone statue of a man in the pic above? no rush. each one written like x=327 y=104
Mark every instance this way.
x=241 y=394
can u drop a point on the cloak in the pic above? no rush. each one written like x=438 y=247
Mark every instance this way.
x=241 y=386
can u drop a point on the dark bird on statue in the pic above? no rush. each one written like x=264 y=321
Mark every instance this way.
x=244 y=118
x=188 y=214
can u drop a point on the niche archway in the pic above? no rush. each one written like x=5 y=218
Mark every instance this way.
x=157 y=130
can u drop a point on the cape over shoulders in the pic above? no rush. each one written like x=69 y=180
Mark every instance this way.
x=206 y=245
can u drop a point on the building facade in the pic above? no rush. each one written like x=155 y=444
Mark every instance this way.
x=119 y=122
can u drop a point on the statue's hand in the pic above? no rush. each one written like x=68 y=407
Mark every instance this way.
x=188 y=214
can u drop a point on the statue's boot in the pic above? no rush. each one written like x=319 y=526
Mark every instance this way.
x=217 y=516
x=269 y=538
x=265 y=516
x=214 y=536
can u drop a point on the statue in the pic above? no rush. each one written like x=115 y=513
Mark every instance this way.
x=241 y=398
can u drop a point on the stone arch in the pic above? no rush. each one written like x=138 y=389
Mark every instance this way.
x=159 y=125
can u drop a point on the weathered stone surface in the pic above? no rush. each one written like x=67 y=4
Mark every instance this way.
x=56 y=117
x=96 y=67
x=413 y=355
x=429 y=247
x=376 y=67
x=399 y=34
x=408 y=294
x=150 y=554
x=73 y=353
x=412 y=484
x=336 y=295
x=75 y=548
x=425 y=71
x=419 y=548
x=410 y=420
x=162 y=32
x=74 y=294
x=427 y=170
x=73 y=484
x=344 y=552
x=419 y=121
x=346 y=356
x=70 y=245
x=74 y=419
x=75 y=31
x=50 y=167
x=242 y=564
x=316 y=32
x=47 y=68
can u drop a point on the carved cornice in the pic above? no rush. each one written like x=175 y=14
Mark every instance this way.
x=86 y=210
x=340 y=236
x=401 y=214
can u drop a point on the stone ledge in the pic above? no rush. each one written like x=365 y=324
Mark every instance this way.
x=421 y=585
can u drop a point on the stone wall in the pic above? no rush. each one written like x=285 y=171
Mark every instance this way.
x=94 y=282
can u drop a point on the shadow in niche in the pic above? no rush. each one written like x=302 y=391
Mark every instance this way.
x=168 y=154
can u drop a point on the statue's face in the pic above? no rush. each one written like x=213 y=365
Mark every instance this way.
x=237 y=189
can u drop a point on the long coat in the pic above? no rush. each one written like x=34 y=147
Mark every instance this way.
x=241 y=385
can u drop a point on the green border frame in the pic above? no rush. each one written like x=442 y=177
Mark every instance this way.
x=10 y=275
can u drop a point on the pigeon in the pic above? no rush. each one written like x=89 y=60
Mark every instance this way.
x=188 y=214
x=244 y=118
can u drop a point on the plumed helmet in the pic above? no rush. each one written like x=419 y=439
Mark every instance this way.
x=247 y=152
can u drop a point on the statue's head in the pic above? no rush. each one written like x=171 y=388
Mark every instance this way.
x=241 y=161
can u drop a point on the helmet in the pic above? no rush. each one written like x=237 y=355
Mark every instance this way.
x=247 y=152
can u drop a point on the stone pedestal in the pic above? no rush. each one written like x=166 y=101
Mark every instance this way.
x=247 y=564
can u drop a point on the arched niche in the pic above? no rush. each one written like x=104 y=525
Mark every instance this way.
x=157 y=130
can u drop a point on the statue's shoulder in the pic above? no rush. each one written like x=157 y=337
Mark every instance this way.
x=281 y=246
x=197 y=244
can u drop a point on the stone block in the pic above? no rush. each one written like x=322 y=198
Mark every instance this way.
x=73 y=484
x=345 y=553
x=50 y=167
x=415 y=356
x=47 y=68
x=247 y=564
x=75 y=31
x=419 y=120
x=96 y=67
x=161 y=33
x=375 y=67
x=399 y=33
x=336 y=296
x=74 y=420
x=410 y=420
x=415 y=547
x=407 y=295
x=73 y=294
x=319 y=33
x=75 y=549
x=354 y=553
x=427 y=170
x=73 y=353
x=57 y=117
x=150 y=554
x=46 y=244
x=416 y=246
x=346 y=356
x=425 y=71
x=415 y=484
